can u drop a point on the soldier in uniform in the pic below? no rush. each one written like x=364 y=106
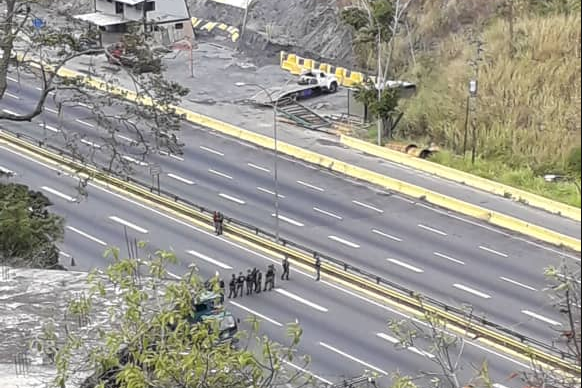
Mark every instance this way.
x=249 y=282
x=232 y=287
x=258 y=281
x=285 y=265
x=270 y=278
x=240 y=283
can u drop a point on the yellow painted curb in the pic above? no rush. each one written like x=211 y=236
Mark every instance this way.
x=464 y=178
x=185 y=212
x=339 y=166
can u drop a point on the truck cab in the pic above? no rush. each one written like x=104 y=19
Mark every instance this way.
x=209 y=308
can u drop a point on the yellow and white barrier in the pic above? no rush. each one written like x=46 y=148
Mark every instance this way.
x=463 y=177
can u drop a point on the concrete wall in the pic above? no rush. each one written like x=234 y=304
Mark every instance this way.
x=105 y=7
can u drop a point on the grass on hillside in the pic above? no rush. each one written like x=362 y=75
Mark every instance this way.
x=527 y=112
x=522 y=178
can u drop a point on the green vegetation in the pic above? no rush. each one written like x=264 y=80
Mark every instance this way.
x=527 y=110
x=29 y=232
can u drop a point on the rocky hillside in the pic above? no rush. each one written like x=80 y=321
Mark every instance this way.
x=308 y=27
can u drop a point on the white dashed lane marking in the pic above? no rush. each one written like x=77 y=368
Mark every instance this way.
x=436 y=231
x=180 y=179
x=231 y=198
x=472 y=291
x=263 y=169
x=311 y=186
x=383 y=234
x=344 y=242
x=349 y=357
x=210 y=260
x=441 y=255
x=218 y=173
x=289 y=220
x=484 y=248
x=128 y=224
x=256 y=314
x=212 y=151
x=329 y=214
x=58 y=194
x=87 y=236
x=541 y=318
x=365 y=205
x=269 y=192
x=406 y=265
x=299 y=299
x=515 y=282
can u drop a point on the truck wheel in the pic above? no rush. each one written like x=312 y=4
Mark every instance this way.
x=333 y=87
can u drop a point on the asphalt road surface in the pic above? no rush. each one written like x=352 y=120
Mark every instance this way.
x=345 y=333
x=449 y=257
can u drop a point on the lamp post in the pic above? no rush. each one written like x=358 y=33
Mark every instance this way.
x=472 y=93
x=275 y=149
x=473 y=87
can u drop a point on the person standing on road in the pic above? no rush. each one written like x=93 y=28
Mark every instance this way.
x=216 y=226
x=258 y=281
x=317 y=269
x=249 y=282
x=220 y=222
x=285 y=265
x=232 y=287
x=222 y=290
x=270 y=278
x=240 y=282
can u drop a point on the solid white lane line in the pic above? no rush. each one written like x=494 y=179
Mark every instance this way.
x=328 y=213
x=128 y=224
x=439 y=232
x=85 y=123
x=179 y=178
x=508 y=280
x=493 y=251
x=380 y=233
x=406 y=265
x=289 y=220
x=211 y=151
x=251 y=165
x=52 y=129
x=256 y=314
x=541 y=318
x=471 y=291
x=269 y=192
x=310 y=186
x=370 y=366
x=301 y=300
x=51 y=110
x=231 y=198
x=90 y=144
x=342 y=241
x=367 y=206
x=58 y=194
x=300 y=369
x=209 y=260
x=132 y=160
x=87 y=236
x=219 y=173
x=14 y=96
x=10 y=112
x=449 y=258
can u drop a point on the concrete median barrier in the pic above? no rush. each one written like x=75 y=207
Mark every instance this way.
x=464 y=178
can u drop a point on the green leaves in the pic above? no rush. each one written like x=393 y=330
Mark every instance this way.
x=28 y=232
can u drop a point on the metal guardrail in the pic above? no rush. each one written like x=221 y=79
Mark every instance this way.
x=477 y=326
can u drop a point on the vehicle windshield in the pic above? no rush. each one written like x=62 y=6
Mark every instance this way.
x=227 y=323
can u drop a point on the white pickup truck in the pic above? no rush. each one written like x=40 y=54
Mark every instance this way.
x=319 y=80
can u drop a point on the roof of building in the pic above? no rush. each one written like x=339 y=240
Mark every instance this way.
x=102 y=19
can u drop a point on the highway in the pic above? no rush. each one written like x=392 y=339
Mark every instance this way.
x=345 y=333
x=456 y=260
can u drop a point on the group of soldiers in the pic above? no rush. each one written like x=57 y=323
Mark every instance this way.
x=253 y=281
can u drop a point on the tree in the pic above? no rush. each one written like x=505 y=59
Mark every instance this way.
x=150 y=340
x=376 y=24
x=385 y=107
x=37 y=56
x=28 y=231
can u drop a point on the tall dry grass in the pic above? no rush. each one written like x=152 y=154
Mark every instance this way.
x=527 y=113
